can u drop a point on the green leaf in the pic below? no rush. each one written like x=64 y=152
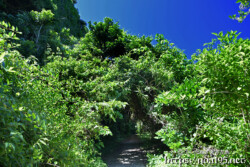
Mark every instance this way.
x=2 y=57
x=33 y=115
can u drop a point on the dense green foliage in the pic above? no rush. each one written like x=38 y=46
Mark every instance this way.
x=63 y=89
x=212 y=108
x=21 y=127
x=44 y=24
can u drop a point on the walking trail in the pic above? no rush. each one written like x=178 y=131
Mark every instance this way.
x=128 y=154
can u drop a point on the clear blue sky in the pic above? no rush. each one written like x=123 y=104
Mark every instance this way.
x=188 y=24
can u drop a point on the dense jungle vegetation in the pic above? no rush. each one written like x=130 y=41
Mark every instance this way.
x=64 y=88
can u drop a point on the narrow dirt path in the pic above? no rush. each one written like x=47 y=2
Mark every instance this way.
x=129 y=154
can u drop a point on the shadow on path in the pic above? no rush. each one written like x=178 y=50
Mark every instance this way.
x=129 y=153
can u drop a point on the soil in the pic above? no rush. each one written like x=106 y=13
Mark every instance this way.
x=129 y=153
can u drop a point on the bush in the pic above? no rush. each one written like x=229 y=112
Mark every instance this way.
x=211 y=109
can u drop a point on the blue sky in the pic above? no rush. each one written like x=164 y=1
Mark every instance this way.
x=188 y=24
